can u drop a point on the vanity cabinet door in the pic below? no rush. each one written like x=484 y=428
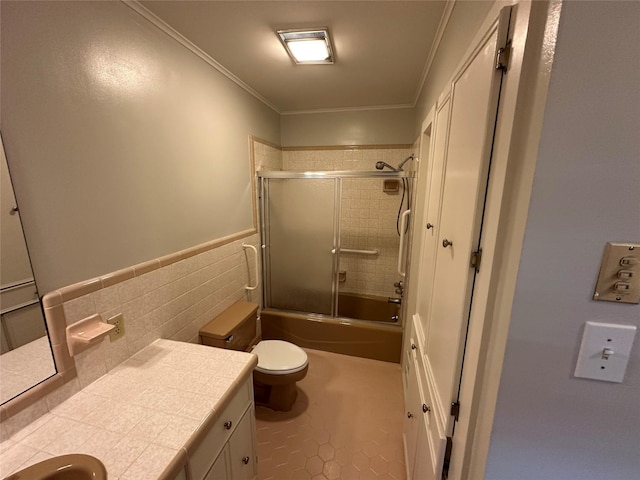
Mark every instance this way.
x=242 y=448
x=200 y=462
x=221 y=469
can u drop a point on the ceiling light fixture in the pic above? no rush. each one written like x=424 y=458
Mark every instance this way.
x=308 y=46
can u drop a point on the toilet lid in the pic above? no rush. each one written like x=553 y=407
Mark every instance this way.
x=278 y=357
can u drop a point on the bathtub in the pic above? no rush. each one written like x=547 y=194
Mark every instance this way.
x=368 y=339
x=367 y=307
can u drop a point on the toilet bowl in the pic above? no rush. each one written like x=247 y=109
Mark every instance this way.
x=280 y=364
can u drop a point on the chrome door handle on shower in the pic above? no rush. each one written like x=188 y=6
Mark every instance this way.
x=446 y=243
x=403 y=227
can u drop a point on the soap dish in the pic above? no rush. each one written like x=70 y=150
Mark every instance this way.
x=86 y=332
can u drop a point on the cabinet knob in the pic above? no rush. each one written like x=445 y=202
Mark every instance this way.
x=429 y=226
x=413 y=346
x=245 y=460
x=228 y=424
x=425 y=408
x=409 y=415
x=446 y=243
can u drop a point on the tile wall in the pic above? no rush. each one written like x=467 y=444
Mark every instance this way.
x=173 y=301
x=266 y=156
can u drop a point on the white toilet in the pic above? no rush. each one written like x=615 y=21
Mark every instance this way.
x=280 y=364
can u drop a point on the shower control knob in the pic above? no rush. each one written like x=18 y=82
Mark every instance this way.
x=228 y=424
x=429 y=226
x=446 y=243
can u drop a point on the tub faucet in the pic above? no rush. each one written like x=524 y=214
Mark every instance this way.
x=397 y=301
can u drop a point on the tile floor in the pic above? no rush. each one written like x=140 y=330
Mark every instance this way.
x=346 y=424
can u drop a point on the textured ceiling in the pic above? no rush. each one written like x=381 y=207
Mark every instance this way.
x=381 y=47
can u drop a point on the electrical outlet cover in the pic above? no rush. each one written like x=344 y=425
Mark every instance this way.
x=118 y=332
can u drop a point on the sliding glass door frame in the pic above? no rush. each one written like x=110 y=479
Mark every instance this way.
x=265 y=222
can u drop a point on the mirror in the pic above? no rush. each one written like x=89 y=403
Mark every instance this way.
x=25 y=352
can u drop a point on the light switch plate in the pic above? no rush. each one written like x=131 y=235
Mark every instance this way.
x=604 y=352
x=619 y=277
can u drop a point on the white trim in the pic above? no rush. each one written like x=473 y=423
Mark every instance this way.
x=348 y=109
x=442 y=26
x=188 y=44
x=513 y=166
x=521 y=132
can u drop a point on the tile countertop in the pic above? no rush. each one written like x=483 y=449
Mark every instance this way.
x=138 y=417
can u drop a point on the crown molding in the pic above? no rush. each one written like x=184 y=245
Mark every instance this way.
x=189 y=45
x=442 y=26
x=348 y=109
x=136 y=6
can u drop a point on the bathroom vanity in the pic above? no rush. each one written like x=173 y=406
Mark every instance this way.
x=172 y=411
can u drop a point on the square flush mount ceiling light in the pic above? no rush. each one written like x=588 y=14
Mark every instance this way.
x=308 y=46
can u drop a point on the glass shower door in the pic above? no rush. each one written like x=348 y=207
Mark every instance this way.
x=299 y=240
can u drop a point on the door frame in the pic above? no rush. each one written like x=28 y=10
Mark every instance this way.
x=533 y=32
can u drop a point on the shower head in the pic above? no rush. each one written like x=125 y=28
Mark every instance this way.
x=381 y=165
x=410 y=157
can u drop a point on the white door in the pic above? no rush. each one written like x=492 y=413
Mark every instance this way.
x=431 y=220
x=447 y=285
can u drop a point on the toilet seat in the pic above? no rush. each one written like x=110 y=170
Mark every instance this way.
x=277 y=357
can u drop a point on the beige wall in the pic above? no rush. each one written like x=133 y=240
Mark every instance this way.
x=352 y=127
x=124 y=145
x=465 y=20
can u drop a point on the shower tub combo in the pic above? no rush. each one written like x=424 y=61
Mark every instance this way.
x=334 y=254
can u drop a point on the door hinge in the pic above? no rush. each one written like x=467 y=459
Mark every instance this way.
x=503 y=55
x=476 y=258
x=447 y=458
x=455 y=410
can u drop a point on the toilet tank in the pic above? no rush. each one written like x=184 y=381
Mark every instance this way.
x=235 y=328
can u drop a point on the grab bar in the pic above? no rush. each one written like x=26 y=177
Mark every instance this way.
x=362 y=252
x=255 y=255
x=403 y=226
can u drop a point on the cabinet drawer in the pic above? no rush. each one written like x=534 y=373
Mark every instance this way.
x=203 y=457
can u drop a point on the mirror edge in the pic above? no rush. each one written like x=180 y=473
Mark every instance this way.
x=65 y=365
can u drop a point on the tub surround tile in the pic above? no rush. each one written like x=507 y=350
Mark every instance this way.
x=157 y=416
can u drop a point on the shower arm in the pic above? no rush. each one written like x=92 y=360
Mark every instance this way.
x=410 y=157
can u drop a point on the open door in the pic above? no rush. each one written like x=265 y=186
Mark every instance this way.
x=464 y=126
